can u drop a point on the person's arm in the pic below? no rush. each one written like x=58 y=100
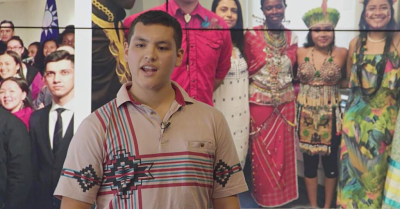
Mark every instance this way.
x=224 y=61
x=84 y=153
x=345 y=82
x=217 y=83
x=19 y=166
x=231 y=202
x=68 y=203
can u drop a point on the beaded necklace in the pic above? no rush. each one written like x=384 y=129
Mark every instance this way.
x=275 y=48
x=317 y=73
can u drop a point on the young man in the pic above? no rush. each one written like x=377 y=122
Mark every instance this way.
x=208 y=52
x=15 y=163
x=153 y=146
x=109 y=69
x=6 y=30
x=51 y=128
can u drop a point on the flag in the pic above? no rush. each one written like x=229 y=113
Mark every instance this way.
x=50 y=22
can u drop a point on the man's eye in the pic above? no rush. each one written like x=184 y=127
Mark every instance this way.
x=139 y=45
x=162 y=48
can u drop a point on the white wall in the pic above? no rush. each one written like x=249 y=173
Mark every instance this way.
x=30 y=13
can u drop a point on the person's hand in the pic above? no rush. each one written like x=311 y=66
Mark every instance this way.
x=41 y=105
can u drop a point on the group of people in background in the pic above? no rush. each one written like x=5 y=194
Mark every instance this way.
x=251 y=77
x=34 y=84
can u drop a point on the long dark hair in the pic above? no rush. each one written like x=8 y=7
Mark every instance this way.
x=310 y=42
x=17 y=60
x=23 y=85
x=362 y=41
x=237 y=32
x=39 y=58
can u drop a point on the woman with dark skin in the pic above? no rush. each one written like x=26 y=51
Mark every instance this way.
x=373 y=69
x=271 y=54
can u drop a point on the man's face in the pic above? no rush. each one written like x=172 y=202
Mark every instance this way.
x=68 y=40
x=126 y=4
x=6 y=32
x=59 y=77
x=152 y=56
x=15 y=46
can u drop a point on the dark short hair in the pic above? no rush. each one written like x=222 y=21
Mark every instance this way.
x=37 y=44
x=160 y=18
x=23 y=85
x=9 y=22
x=58 y=56
x=68 y=29
x=17 y=38
x=263 y=1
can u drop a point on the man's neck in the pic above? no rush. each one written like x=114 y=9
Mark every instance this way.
x=62 y=101
x=187 y=7
x=151 y=98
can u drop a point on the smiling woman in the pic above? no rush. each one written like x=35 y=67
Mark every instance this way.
x=369 y=121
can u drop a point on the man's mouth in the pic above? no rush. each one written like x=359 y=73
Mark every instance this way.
x=149 y=69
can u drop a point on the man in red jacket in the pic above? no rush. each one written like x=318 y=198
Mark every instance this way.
x=208 y=52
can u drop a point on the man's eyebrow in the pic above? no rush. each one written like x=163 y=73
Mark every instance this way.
x=164 y=42
x=140 y=39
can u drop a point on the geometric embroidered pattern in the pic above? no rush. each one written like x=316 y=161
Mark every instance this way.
x=222 y=172
x=86 y=178
x=125 y=173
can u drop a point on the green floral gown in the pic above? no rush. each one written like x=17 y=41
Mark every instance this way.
x=368 y=128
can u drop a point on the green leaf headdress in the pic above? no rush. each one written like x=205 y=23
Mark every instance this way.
x=321 y=15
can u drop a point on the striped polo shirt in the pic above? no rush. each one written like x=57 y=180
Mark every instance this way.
x=124 y=156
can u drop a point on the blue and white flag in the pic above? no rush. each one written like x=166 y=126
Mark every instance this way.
x=50 y=22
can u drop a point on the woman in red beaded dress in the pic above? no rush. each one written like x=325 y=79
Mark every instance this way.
x=271 y=54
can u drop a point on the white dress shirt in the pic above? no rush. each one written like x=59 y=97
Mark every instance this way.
x=66 y=118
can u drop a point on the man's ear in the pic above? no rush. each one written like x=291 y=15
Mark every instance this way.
x=126 y=49
x=179 y=57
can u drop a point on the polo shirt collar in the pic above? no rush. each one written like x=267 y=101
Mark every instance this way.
x=181 y=97
x=199 y=10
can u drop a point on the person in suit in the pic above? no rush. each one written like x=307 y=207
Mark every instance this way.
x=51 y=128
x=15 y=164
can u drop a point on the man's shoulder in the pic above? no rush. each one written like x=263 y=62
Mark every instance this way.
x=216 y=22
x=38 y=113
x=204 y=111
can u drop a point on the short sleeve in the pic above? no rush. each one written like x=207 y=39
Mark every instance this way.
x=228 y=173
x=82 y=172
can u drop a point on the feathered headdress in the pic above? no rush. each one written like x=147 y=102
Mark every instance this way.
x=362 y=1
x=322 y=15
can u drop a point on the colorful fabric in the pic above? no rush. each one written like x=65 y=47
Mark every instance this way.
x=319 y=95
x=273 y=157
x=24 y=114
x=392 y=185
x=207 y=52
x=262 y=90
x=368 y=128
x=121 y=157
x=231 y=98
